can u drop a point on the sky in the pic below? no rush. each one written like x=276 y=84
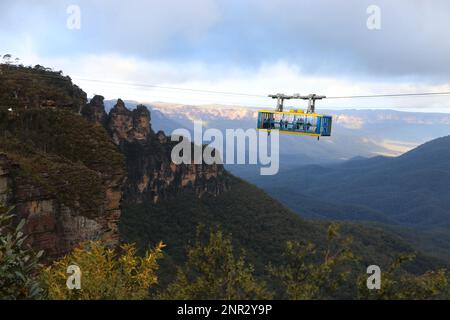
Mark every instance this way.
x=255 y=47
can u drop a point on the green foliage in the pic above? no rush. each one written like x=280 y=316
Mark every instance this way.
x=106 y=274
x=259 y=224
x=18 y=264
x=212 y=271
x=397 y=284
x=52 y=144
x=33 y=87
x=309 y=272
x=65 y=134
x=63 y=154
x=57 y=150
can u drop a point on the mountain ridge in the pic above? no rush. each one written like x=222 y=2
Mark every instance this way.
x=409 y=191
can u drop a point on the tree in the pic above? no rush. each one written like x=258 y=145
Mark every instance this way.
x=212 y=271
x=309 y=272
x=18 y=263
x=7 y=58
x=398 y=284
x=105 y=274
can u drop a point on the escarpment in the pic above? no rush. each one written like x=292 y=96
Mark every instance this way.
x=151 y=174
x=66 y=166
x=52 y=224
x=60 y=172
x=63 y=175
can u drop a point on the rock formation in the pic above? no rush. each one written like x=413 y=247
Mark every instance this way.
x=151 y=173
x=53 y=226
x=94 y=111
x=68 y=176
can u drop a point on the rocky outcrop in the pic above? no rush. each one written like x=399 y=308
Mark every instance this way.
x=128 y=126
x=94 y=111
x=151 y=173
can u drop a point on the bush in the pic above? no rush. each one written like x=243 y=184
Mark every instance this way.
x=105 y=274
x=397 y=284
x=212 y=272
x=309 y=272
x=18 y=263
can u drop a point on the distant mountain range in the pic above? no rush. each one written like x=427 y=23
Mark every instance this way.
x=411 y=190
x=410 y=193
x=356 y=133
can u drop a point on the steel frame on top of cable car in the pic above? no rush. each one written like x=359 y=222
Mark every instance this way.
x=296 y=122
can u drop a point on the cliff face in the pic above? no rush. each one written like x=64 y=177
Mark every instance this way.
x=151 y=175
x=66 y=165
x=128 y=126
x=63 y=202
x=94 y=111
x=60 y=172
x=53 y=226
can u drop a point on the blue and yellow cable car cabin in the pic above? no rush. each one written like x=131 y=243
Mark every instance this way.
x=297 y=122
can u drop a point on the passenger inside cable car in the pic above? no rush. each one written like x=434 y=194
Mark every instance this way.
x=301 y=123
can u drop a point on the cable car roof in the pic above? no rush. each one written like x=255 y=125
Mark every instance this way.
x=293 y=112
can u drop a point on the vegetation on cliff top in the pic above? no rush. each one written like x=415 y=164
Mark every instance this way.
x=32 y=87
x=56 y=149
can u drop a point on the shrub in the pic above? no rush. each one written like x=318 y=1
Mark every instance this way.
x=105 y=274
x=18 y=263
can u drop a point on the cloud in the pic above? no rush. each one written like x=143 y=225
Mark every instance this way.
x=142 y=28
x=319 y=36
x=132 y=78
x=249 y=46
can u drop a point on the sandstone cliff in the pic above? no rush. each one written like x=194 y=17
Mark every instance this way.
x=68 y=193
x=151 y=175
x=53 y=226
x=60 y=172
x=66 y=165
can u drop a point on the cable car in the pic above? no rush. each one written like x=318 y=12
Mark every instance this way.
x=298 y=122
